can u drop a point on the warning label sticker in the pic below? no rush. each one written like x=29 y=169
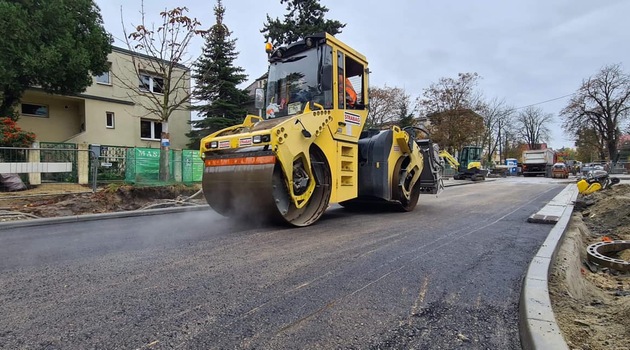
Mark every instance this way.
x=224 y=144
x=245 y=142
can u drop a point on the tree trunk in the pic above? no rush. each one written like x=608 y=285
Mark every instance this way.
x=165 y=160
x=612 y=150
x=9 y=102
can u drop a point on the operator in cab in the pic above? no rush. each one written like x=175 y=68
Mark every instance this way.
x=350 y=93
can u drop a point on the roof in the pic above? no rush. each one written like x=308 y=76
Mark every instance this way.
x=139 y=54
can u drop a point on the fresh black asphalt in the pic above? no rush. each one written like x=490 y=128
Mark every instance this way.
x=445 y=276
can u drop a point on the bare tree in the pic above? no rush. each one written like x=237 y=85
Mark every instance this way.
x=384 y=106
x=452 y=94
x=453 y=129
x=452 y=107
x=601 y=103
x=497 y=116
x=532 y=126
x=160 y=80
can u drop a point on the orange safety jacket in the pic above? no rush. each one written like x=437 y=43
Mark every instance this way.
x=351 y=94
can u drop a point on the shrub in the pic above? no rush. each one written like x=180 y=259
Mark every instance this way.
x=11 y=135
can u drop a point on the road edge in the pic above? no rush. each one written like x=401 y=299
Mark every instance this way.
x=93 y=217
x=122 y=214
x=537 y=323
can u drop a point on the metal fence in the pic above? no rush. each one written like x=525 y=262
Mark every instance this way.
x=620 y=168
x=50 y=167
x=449 y=171
x=109 y=162
x=56 y=152
x=85 y=167
x=143 y=167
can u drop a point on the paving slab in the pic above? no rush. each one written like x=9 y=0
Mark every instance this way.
x=551 y=213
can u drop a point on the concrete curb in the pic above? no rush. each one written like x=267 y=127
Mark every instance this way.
x=94 y=217
x=467 y=182
x=537 y=324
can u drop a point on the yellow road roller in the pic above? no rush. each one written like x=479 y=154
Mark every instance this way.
x=308 y=148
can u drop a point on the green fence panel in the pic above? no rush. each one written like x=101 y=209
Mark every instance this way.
x=197 y=167
x=143 y=165
x=130 y=165
x=192 y=166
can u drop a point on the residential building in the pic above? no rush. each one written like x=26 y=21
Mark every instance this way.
x=114 y=110
x=259 y=83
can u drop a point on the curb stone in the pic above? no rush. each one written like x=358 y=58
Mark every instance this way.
x=537 y=323
x=94 y=217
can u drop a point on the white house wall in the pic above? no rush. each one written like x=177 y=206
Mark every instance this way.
x=82 y=118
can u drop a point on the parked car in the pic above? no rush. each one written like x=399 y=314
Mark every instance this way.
x=560 y=170
x=591 y=167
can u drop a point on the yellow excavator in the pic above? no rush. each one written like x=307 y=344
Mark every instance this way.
x=469 y=166
x=310 y=149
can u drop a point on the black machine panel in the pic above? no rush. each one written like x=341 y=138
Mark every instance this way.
x=374 y=149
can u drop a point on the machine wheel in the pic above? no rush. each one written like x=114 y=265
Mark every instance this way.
x=401 y=190
x=317 y=203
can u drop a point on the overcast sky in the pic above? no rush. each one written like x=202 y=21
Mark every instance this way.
x=526 y=51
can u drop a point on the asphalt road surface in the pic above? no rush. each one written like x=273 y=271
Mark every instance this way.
x=445 y=276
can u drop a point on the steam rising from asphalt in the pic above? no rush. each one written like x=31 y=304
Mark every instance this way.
x=65 y=242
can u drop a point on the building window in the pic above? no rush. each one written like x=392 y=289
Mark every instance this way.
x=34 y=110
x=109 y=117
x=150 y=129
x=151 y=83
x=105 y=78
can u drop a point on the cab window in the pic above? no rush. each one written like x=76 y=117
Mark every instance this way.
x=350 y=78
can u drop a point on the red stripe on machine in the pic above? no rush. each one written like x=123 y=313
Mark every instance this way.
x=258 y=160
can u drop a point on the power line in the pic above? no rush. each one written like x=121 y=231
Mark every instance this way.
x=539 y=103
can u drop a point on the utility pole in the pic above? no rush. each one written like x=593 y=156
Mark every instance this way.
x=500 y=145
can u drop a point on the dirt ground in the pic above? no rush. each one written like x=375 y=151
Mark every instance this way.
x=592 y=303
x=50 y=201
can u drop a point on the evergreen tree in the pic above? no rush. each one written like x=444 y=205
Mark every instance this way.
x=304 y=17
x=216 y=83
x=405 y=118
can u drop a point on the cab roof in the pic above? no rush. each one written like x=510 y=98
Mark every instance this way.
x=319 y=38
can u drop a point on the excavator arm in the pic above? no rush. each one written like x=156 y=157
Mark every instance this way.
x=449 y=158
x=455 y=164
